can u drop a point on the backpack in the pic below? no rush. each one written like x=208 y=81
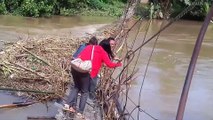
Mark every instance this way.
x=79 y=50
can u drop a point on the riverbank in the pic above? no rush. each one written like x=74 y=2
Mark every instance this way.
x=44 y=8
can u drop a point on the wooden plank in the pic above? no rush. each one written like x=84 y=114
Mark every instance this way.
x=41 y=118
x=15 y=105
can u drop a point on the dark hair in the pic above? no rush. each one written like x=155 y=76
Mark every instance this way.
x=106 y=46
x=93 y=41
x=111 y=38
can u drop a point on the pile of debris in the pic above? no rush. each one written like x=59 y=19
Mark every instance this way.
x=37 y=65
x=40 y=65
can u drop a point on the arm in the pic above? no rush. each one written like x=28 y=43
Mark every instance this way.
x=108 y=62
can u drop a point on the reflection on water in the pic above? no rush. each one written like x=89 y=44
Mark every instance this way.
x=22 y=113
x=165 y=77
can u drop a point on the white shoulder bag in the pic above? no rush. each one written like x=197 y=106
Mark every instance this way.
x=83 y=66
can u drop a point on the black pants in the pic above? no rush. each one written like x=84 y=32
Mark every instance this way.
x=81 y=84
x=93 y=87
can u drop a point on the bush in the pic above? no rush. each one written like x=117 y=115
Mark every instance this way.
x=37 y=8
x=143 y=10
x=45 y=8
x=96 y=4
x=28 y=8
x=199 y=12
x=3 y=9
x=68 y=12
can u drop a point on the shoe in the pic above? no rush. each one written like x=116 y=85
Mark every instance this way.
x=71 y=109
x=68 y=108
x=79 y=115
x=91 y=101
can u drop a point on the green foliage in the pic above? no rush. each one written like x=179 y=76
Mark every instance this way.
x=37 y=8
x=156 y=11
x=71 y=4
x=151 y=11
x=12 y=5
x=143 y=10
x=33 y=8
x=113 y=9
x=157 y=8
x=28 y=8
x=96 y=4
x=68 y=12
x=3 y=9
x=199 y=12
x=46 y=7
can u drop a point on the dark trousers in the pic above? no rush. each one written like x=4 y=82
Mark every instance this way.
x=81 y=84
x=93 y=87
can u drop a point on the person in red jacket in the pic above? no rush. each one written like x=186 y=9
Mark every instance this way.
x=82 y=80
x=107 y=44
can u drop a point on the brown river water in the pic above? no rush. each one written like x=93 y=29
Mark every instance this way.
x=165 y=76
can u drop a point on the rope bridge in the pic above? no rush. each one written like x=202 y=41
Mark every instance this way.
x=114 y=90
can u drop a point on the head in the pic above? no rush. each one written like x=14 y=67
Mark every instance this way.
x=112 y=42
x=105 y=44
x=93 y=41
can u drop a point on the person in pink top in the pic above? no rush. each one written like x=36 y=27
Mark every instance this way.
x=82 y=80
